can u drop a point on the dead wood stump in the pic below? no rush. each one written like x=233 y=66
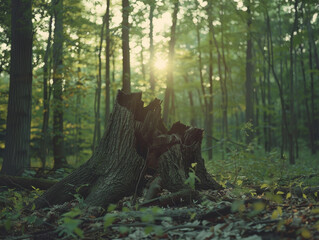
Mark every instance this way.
x=134 y=143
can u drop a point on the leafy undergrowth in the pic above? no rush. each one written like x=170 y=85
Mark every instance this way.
x=240 y=212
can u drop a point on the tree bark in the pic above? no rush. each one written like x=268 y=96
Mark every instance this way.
x=107 y=65
x=249 y=76
x=291 y=133
x=46 y=98
x=97 y=99
x=58 y=138
x=152 y=51
x=169 y=91
x=191 y=103
x=126 y=47
x=17 y=144
x=209 y=111
x=135 y=142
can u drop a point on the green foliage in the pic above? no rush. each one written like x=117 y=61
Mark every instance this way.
x=11 y=217
x=191 y=180
x=69 y=225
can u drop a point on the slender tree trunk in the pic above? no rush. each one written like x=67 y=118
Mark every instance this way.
x=17 y=141
x=200 y=70
x=46 y=100
x=297 y=103
x=169 y=92
x=306 y=102
x=283 y=132
x=77 y=149
x=257 y=116
x=209 y=111
x=313 y=51
x=291 y=133
x=142 y=62
x=270 y=61
x=224 y=82
x=58 y=68
x=222 y=87
x=113 y=75
x=191 y=103
x=249 y=76
x=152 y=52
x=107 y=65
x=97 y=102
x=262 y=88
x=312 y=91
x=268 y=117
x=126 y=47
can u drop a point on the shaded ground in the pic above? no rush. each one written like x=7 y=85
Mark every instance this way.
x=226 y=214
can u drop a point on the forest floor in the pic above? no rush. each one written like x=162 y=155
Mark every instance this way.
x=232 y=213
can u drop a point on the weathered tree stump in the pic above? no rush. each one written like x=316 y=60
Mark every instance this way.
x=134 y=143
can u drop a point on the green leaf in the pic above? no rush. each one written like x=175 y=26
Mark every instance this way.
x=157 y=210
x=238 y=206
x=123 y=229
x=159 y=230
x=108 y=220
x=79 y=232
x=125 y=209
x=147 y=218
x=111 y=207
x=73 y=213
x=305 y=233
x=7 y=224
x=148 y=229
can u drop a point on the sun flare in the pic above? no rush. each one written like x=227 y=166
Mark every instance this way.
x=160 y=64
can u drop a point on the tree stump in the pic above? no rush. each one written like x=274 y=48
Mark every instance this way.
x=135 y=142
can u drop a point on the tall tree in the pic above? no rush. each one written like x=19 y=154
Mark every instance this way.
x=249 y=75
x=209 y=110
x=58 y=68
x=169 y=91
x=107 y=64
x=313 y=54
x=97 y=99
x=126 y=46
x=46 y=97
x=151 y=61
x=17 y=145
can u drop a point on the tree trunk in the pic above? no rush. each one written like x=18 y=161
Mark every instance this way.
x=17 y=145
x=191 y=103
x=135 y=142
x=78 y=92
x=107 y=65
x=222 y=81
x=313 y=51
x=126 y=47
x=152 y=51
x=169 y=91
x=58 y=138
x=249 y=76
x=209 y=111
x=291 y=133
x=97 y=99
x=200 y=68
x=46 y=99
